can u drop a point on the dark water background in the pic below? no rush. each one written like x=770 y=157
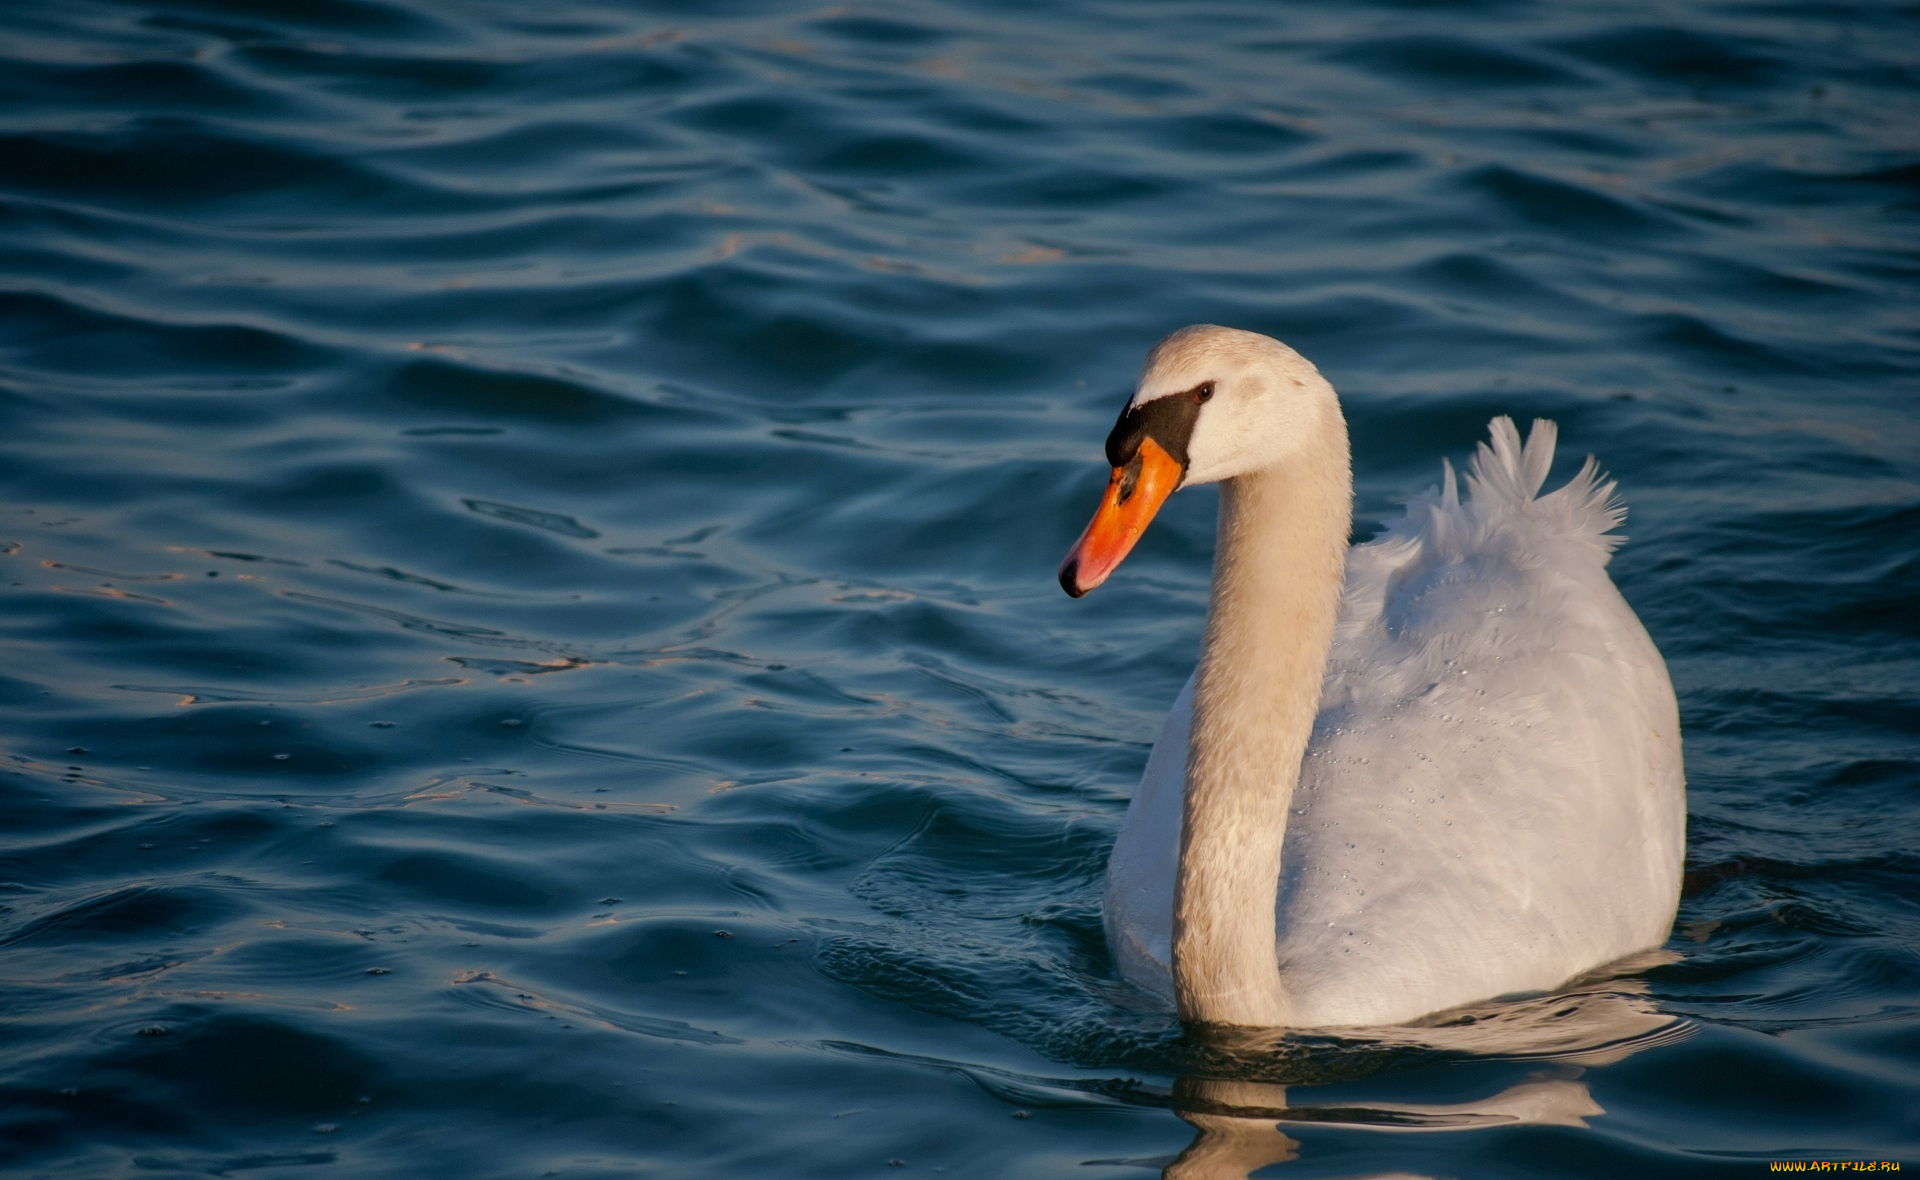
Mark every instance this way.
x=528 y=530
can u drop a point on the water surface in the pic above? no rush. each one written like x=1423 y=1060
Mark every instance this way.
x=527 y=535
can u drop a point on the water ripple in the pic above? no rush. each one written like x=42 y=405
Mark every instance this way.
x=365 y=363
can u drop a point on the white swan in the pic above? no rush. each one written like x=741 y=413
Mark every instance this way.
x=1437 y=768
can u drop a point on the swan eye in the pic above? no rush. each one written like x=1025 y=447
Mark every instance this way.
x=1204 y=392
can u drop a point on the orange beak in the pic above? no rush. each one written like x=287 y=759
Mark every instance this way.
x=1134 y=494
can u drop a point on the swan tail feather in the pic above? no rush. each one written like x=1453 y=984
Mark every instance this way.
x=1503 y=483
x=1506 y=475
x=1590 y=507
x=1508 y=471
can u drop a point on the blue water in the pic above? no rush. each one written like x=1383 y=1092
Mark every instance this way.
x=527 y=539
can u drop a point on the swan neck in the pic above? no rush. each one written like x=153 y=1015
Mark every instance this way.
x=1279 y=568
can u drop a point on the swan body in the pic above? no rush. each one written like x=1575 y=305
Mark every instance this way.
x=1436 y=768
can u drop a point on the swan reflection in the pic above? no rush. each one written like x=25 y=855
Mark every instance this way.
x=1240 y=1123
x=1244 y=1125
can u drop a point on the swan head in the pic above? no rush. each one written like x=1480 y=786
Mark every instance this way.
x=1213 y=403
